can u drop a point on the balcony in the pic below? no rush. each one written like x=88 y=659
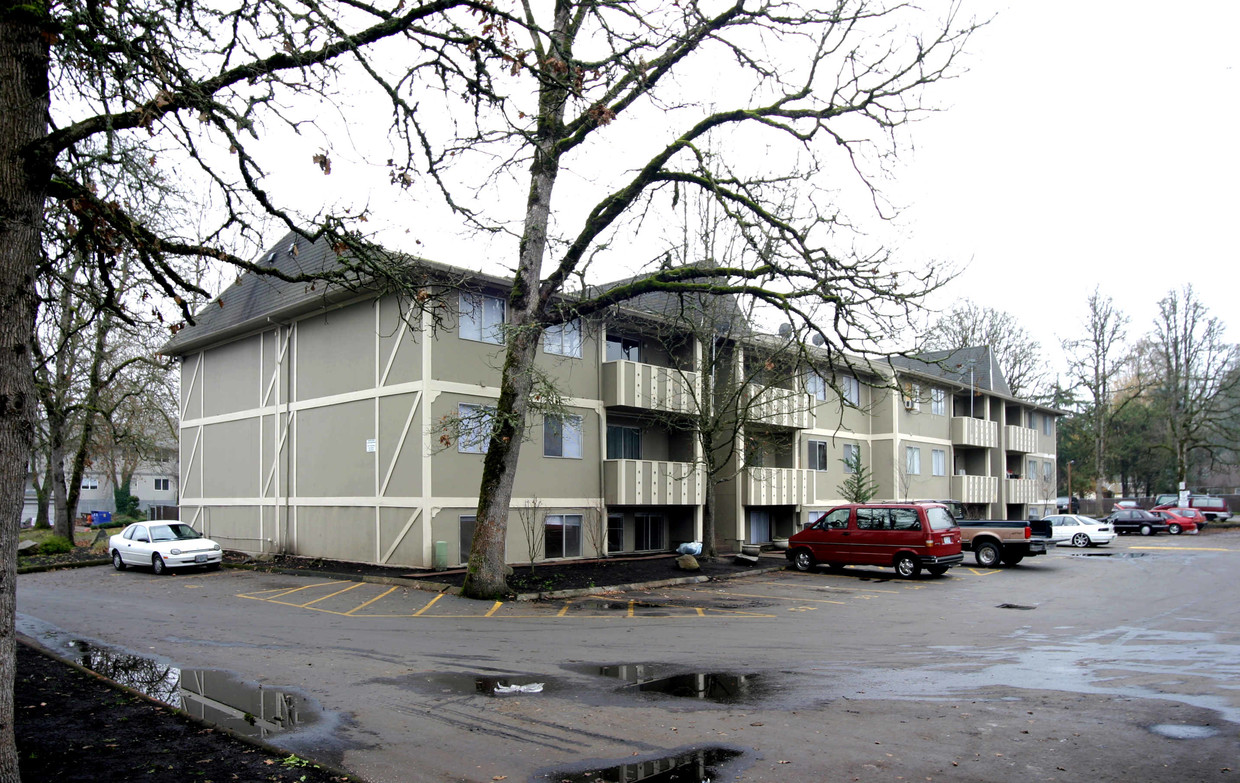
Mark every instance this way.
x=975 y=489
x=1020 y=439
x=1021 y=490
x=778 y=407
x=641 y=482
x=780 y=487
x=648 y=386
x=968 y=431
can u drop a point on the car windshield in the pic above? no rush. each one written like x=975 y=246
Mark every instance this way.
x=173 y=532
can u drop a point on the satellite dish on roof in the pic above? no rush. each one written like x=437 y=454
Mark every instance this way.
x=818 y=339
x=785 y=330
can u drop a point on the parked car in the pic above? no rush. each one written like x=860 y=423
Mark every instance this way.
x=1185 y=511
x=1136 y=520
x=1065 y=506
x=1176 y=523
x=1079 y=531
x=1127 y=504
x=906 y=536
x=163 y=545
x=1215 y=509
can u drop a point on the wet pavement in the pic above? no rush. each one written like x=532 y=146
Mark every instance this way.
x=1111 y=668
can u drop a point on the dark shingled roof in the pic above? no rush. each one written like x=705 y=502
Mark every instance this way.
x=955 y=365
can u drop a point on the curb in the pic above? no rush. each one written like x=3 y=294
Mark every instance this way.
x=271 y=750
x=604 y=589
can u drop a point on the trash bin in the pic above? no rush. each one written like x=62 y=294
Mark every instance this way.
x=100 y=518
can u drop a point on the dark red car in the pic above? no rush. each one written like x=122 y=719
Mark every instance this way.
x=904 y=536
x=1177 y=523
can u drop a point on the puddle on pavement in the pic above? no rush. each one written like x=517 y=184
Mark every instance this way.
x=490 y=684
x=1108 y=554
x=697 y=766
x=1016 y=606
x=1178 y=731
x=603 y=605
x=213 y=696
x=718 y=687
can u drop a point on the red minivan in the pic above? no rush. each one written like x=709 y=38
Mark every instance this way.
x=905 y=536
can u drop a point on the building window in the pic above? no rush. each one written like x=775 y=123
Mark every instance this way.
x=615 y=532
x=1033 y=420
x=562 y=436
x=562 y=535
x=815 y=386
x=651 y=532
x=466 y=538
x=624 y=442
x=852 y=456
x=163 y=484
x=563 y=339
x=1048 y=473
x=474 y=428
x=852 y=390
x=938 y=402
x=623 y=348
x=912 y=396
x=1048 y=425
x=90 y=483
x=1033 y=469
x=482 y=318
x=912 y=460
x=817 y=455
x=938 y=460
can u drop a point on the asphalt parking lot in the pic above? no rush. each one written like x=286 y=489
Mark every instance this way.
x=1113 y=663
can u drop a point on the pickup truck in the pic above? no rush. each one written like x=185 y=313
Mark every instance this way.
x=995 y=540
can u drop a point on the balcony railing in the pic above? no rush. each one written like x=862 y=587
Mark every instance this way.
x=968 y=431
x=1021 y=490
x=779 y=407
x=780 y=487
x=637 y=385
x=975 y=489
x=1020 y=439
x=643 y=482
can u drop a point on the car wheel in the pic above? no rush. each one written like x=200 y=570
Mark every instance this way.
x=936 y=570
x=1080 y=540
x=907 y=566
x=1146 y=530
x=1174 y=529
x=803 y=560
x=117 y=562
x=213 y=566
x=157 y=564
x=987 y=555
x=1013 y=559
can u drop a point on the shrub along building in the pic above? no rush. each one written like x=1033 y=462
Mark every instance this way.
x=344 y=423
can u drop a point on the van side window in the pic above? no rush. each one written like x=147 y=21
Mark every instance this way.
x=905 y=519
x=837 y=519
x=871 y=518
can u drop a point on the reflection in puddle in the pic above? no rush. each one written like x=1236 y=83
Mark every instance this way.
x=491 y=684
x=216 y=697
x=698 y=766
x=718 y=687
x=1177 y=731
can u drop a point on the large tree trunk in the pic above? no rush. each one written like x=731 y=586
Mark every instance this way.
x=65 y=501
x=24 y=96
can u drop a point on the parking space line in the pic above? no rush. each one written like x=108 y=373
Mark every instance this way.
x=564 y=610
x=791 y=598
x=494 y=608
x=371 y=601
x=338 y=592
x=428 y=606
x=1185 y=548
x=280 y=592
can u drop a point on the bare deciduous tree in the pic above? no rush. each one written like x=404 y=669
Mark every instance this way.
x=969 y=324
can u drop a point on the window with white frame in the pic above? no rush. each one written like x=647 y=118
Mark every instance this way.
x=912 y=460
x=1048 y=424
x=563 y=339
x=1033 y=420
x=938 y=462
x=474 y=427
x=562 y=535
x=817 y=455
x=163 y=484
x=624 y=442
x=562 y=436
x=912 y=396
x=1048 y=473
x=90 y=483
x=938 y=402
x=815 y=385
x=852 y=456
x=852 y=390
x=482 y=317
x=1033 y=469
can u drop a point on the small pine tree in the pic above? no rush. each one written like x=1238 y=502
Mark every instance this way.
x=859 y=486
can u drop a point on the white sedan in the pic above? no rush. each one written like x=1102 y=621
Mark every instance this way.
x=163 y=545
x=1079 y=531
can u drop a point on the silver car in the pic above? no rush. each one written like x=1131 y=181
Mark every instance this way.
x=163 y=545
x=1079 y=531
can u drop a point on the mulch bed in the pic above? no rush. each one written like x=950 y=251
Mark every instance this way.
x=542 y=577
x=73 y=726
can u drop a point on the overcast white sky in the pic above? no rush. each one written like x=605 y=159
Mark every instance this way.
x=1093 y=142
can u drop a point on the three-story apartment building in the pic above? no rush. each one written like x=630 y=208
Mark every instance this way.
x=349 y=425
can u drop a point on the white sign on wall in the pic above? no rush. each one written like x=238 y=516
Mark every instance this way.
x=371 y=445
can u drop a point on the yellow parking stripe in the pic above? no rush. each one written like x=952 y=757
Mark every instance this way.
x=564 y=611
x=494 y=608
x=796 y=598
x=428 y=606
x=338 y=592
x=280 y=592
x=371 y=601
